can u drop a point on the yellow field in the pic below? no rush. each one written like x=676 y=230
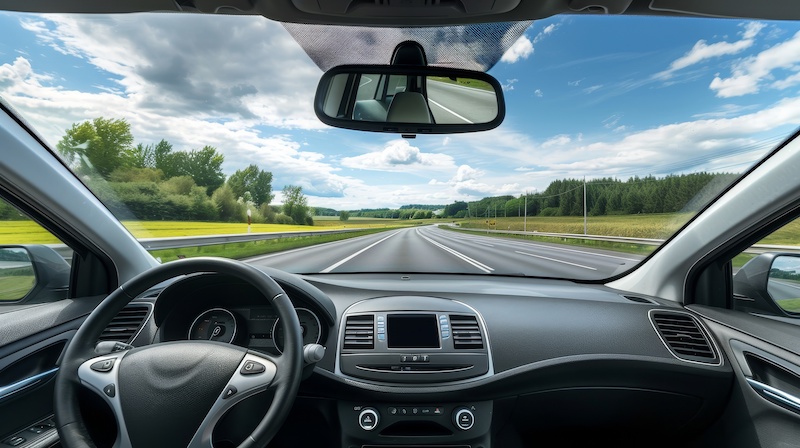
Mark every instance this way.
x=28 y=232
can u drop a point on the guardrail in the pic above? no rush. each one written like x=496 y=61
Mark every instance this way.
x=754 y=249
x=210 y=240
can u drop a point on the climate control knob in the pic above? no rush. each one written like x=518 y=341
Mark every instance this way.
x=463 y=418
x=368 y=419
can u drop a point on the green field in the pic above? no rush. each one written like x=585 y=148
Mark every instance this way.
x=659 y=226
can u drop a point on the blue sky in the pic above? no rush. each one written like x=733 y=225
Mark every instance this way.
x=586 y=96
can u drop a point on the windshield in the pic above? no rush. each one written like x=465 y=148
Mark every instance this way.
x=618 y=130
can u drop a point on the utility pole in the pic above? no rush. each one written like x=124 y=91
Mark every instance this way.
x=525 y=220
x=584 y=205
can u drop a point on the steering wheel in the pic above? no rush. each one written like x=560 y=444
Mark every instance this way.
x=173 y=394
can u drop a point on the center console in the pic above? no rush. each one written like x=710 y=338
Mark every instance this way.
x=411 y=342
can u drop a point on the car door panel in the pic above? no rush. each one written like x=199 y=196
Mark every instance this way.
x=33 y=338
x=763 y=353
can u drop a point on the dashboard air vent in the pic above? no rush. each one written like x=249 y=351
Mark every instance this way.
x=466 y=332
x=359 y=332
x=126 y=324
x=684 y=337
x=638 y=299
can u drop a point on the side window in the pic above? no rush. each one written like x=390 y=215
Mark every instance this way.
x=34 y=264
x=767 y=276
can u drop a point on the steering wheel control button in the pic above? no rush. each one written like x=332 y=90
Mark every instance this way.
x=464 y=419
x=103 y=366
x=229 y=392
x=110 y=390
x=252 y=368
x=368 y=419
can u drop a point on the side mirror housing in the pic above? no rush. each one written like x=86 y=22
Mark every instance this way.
x=769 y=283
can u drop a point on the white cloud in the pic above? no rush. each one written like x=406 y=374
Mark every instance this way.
x=538 y=93
x=509 y=84
x=749 y=73
x=575 y=83
x=521 y=49
x=558 y=140
x=592 y=89
x=702 y=50
x=399 y=155
x=545 y=32
x=216 y=70
x=611 y=121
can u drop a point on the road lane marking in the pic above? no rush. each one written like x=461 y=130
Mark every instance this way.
x=300 y=249
x=579 y=251
x=448 y=110
x=454 y=252
x=369 y=80
x=557 y=261
x=345 y=260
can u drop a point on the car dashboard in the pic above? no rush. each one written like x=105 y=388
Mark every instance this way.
x=445 y=360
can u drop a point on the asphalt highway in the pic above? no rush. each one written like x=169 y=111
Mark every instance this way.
x=454 y=104
x=433 y=250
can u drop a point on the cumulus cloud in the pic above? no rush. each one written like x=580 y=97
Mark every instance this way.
x=399 y=155
x=749 y=74
x=521 y=49
x=214 y=69
x=538 y=93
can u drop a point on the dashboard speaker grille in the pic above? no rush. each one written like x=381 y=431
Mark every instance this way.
x=126 y=324
x=466 y=332
x=359 y=332
x=684 y=337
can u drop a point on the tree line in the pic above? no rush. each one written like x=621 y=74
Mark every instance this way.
x=604 y=196
x=156 y=182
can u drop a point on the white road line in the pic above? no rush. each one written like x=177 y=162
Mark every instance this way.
x=557 y=261
x=469 y=260
x=369 y=80
x=448 y=110
x=579 y=251
x=291 y=251
x=345 y=260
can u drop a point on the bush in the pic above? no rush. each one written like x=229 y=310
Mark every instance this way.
x=229 y=208
x=549 y=211
x=267 y=212
x=309 y=221
x=283 y=219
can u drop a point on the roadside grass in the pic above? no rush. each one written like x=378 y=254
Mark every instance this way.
x=630 y=248
x=256 y=248
x=15 y=287
x=791 y=305
x=634 y=226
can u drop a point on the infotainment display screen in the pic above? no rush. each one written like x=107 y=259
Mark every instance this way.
x=412 y=331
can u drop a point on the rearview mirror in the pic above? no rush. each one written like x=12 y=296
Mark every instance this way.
x=409 y=99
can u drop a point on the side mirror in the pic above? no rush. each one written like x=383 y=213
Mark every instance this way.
x=769 y=283
x=32 y=273
x=409 y=99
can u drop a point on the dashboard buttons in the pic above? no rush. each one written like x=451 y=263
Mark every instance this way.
x=463 y=419
x=103 y=366
x=444 y=326
x=110 y=390
x=252 y=368
x=368 y=419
